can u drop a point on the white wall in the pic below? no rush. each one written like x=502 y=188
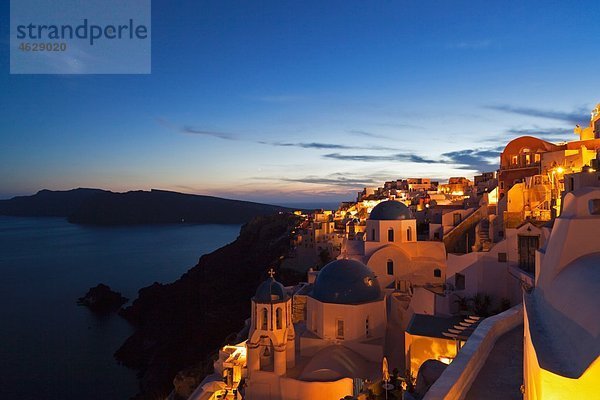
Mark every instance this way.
x=323 y=316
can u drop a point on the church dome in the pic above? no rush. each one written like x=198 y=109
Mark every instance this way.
x=346 y=282
x=390 y=210
x=270 y=291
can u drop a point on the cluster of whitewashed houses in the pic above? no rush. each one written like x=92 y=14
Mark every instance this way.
x=390 y=295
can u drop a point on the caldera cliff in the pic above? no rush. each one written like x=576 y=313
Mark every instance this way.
x=180 y=325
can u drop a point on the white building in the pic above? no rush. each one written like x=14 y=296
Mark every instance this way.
x=392 y=252
x=562 y=328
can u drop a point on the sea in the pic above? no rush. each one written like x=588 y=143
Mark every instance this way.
x=51 y=348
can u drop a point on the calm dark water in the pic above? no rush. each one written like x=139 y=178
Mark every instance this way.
x=50 y=348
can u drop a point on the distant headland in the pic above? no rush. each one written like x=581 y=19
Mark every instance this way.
x=102 y=207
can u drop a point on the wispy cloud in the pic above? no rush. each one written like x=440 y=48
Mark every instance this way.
x=220 y=135
x=376 y=158
x=341 y=181
x=475 y=159
x=471 y=45
x=326 y=146
x=359 y=132
x=576 y=116
x=344 y=180
x=480 y=159
x=312 y=145
x=303 y=145
x=398 y=125
x=544 y=132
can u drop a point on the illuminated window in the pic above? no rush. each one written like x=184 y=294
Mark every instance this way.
x=515 y=160
x=390 y=235
x=339 y=329
x=264 y=320
x=390 y=267
x=437 y=273
x=536 y=157
x=278 y=318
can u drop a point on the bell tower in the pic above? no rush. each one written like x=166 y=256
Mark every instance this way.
x=271 y=341
x=593 y=130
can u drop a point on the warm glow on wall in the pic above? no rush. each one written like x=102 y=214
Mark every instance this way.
x=446 y=360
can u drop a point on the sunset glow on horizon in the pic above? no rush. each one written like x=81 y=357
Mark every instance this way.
x=295 y=102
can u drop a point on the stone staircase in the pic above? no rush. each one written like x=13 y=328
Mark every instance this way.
x=483 y=234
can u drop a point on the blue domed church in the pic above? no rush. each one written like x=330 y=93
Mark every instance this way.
x=339 y=343
x=325 y=338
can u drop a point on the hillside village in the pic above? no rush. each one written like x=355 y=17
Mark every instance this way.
x=420 y=289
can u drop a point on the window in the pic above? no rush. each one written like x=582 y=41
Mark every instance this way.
x=457 y=218
x=373 y=234
x=459 y=282
x=409 y=234
x=278 y=318
x=390 y=235
x=264 y=319
x=514 y=160
x=339 y=329
x=367 y=331
x=437 y=273
x=536 y=157
x=594 y=206
x=527 y=247
x=390 y=267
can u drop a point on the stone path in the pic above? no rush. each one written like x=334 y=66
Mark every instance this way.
x=502 y=375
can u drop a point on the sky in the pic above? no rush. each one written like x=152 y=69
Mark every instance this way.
x=281 y=101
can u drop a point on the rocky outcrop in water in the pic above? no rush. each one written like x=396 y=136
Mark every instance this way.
x=102 y=300
x=179 y=326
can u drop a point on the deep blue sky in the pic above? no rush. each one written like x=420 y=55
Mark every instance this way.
x=281 y=101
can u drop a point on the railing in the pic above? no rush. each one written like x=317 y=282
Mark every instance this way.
x=457 y=233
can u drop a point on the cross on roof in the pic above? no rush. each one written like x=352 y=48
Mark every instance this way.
x=271 y=272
